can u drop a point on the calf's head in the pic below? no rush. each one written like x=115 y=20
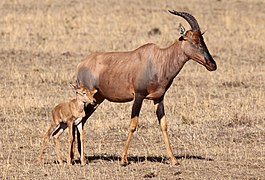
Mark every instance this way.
x=83 y=94
x=193 y=44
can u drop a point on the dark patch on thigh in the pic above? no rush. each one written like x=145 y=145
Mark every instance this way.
x=61 y=125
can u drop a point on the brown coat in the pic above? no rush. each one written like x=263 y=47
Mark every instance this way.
x=145 y=73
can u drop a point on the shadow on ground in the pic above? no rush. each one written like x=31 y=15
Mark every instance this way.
x=134 y=159
x=137 y=159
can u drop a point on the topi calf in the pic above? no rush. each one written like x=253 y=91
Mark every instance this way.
x=69 y=114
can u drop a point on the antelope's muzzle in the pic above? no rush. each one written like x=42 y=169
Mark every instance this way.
x=210 y=63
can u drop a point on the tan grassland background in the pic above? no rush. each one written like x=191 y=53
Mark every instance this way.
x=216 y=120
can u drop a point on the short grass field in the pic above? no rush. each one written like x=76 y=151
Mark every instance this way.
x=216 y=120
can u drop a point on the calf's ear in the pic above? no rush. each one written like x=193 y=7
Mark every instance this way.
x=74 y=86
x=82 y=85
x=94 y=91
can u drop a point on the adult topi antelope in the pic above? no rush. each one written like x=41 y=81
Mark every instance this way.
x=145 y=73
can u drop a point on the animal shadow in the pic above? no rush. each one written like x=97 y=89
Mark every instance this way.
x=131 y=159
x=139 y=159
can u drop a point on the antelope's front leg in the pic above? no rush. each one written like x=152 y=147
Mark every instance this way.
x=163 y=124
x=80 y=139
x=71 y=143
x=133 y=124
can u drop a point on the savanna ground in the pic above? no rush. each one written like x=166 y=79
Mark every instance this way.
x=216 y=120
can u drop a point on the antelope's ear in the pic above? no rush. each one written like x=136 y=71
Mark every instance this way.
x=74 y=86
x=81 y=84
x=181 y=30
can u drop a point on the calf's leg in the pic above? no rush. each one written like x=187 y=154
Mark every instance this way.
x=45 y=141
x=71 y=143
x=89 y=110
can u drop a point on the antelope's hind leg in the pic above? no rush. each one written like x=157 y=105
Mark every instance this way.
x=45 y=141
x=61 y=127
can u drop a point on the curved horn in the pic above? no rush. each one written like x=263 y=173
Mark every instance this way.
x=189 y=18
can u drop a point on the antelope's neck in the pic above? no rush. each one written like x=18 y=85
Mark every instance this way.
x=173 y=60
x=79 y=105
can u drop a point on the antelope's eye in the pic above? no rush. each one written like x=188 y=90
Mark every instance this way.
x=198 y=44
x=84 y=93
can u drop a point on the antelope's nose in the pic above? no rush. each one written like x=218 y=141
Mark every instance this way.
x=92 y=102
x=211 y=64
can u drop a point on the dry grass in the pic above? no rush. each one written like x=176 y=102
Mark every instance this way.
x=216 y=119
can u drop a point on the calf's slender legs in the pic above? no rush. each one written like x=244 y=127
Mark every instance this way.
x=45 y=141
x=80 y=143
x=163 y=124
x=71 y=143
x=89 y=110
x=57 y=143
x=54 y=131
